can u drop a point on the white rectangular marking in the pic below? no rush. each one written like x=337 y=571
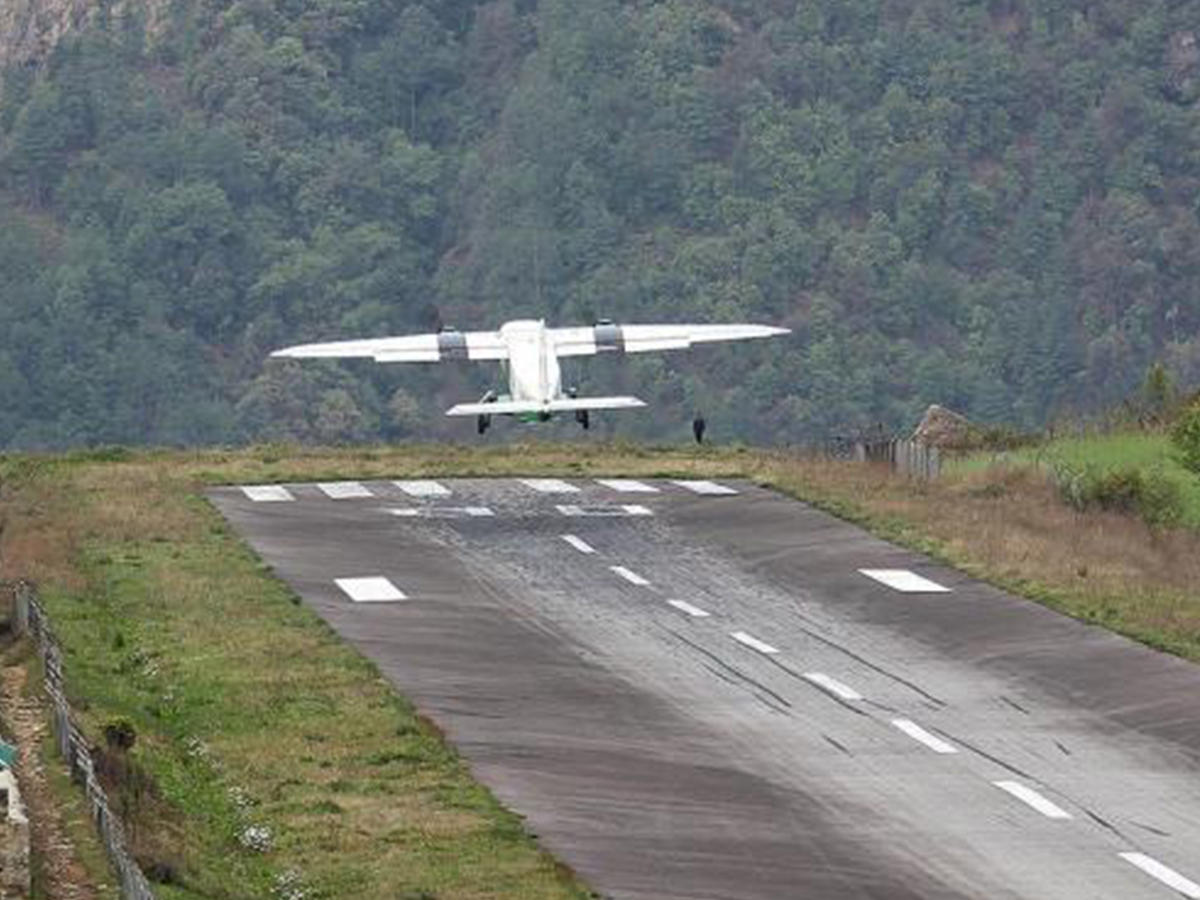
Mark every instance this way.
x=1030 y=797
x=834 y=686
x=420 y=487
x=754 y=643
x=631 y=577
x=706 y=487
x=634 y=509
x=917 y=733
x=627 y=485
x=344 y=490
x=369 y=590
x=574 y=509
x=578 y=543
x=1166 y=875
x=550 y=485
x=267 y=493
x=905 y=581
x=439 y=512
x=478 y=511
x=694 y=611
x=407 y=512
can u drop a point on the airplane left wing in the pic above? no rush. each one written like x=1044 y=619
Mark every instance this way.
x=605 y=337
x=445 y=345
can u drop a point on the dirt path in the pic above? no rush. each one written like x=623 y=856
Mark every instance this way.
x=58 y=871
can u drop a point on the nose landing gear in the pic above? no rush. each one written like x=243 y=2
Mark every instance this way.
x=581 y=416
x=484 y=421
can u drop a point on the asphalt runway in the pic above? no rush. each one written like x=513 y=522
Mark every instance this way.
x=698 y=694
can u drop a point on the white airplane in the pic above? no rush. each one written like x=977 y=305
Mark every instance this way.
x=531 y=352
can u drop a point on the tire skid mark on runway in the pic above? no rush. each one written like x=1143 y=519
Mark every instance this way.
x=875 y=667
x=837 y=745
x=990 y=757
x=726 y=666
x=1158 y=832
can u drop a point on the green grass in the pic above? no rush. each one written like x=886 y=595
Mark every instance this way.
x=1126 y=450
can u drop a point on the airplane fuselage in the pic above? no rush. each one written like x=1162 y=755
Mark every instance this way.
x=533 y=370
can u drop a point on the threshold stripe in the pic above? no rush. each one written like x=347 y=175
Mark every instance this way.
x=905 y=581
x=627 y=485
x=344 y=490
x=550 y=485
x=421 y=487
x=706 y=487
x=267 y=493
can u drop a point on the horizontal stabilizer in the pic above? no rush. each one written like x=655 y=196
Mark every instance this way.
x=567 y=404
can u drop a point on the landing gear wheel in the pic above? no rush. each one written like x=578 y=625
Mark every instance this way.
x=482 y=424
x=581 y=416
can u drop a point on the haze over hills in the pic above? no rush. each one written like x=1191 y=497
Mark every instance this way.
x=988 y=205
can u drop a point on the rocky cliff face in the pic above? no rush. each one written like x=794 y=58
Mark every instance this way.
x=30 y=28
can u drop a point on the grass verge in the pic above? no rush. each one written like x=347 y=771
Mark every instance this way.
x=269 y=759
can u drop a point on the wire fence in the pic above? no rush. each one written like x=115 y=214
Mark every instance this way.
x=30 y=618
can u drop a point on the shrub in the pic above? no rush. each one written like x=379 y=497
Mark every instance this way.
x=1186 y=437
x=1147 y=493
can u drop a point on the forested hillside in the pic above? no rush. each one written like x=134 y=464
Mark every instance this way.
x=991 y=205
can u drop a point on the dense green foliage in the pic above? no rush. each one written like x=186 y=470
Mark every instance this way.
x=1185 y=435
x=991 y=205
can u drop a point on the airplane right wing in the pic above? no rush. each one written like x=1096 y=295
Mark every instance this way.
x=606 y=337
x=445 y=345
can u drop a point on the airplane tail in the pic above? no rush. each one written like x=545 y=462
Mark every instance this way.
x=566 y=404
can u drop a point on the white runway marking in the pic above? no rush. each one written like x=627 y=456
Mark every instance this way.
x=369 y=590
x=1030 y=797
x=917 y=733
x=629 y=509
x=694 y=611
x=905 y=581
x=834 y=686
x=753 y=643
x=344 y=490
x=267 y=493
x=627 y=485
x=423 y=488
x=631 y=577
x=1166 y=875
x=578 y=543
x=439 y=512
x=706 y=487
x=550 y=485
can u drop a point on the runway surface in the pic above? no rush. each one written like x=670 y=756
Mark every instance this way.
x=708 y=690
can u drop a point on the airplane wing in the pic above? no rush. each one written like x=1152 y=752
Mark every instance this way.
x=608 y=338
x=566 y=404
x=445 y=345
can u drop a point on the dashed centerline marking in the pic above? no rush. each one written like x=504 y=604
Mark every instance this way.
x=705 y=487
x=919 y=734
x=905 y=581
x=550 y=485
x=1165 y=874
x=1030 y=797
x=578 y=543
x=631 y=577
x=753 y=643
x=420 y=487
x=834 y=686
x=627 y=485
x=694 y=611
x=344 y=490
x=267 y=493
x=372 y=589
